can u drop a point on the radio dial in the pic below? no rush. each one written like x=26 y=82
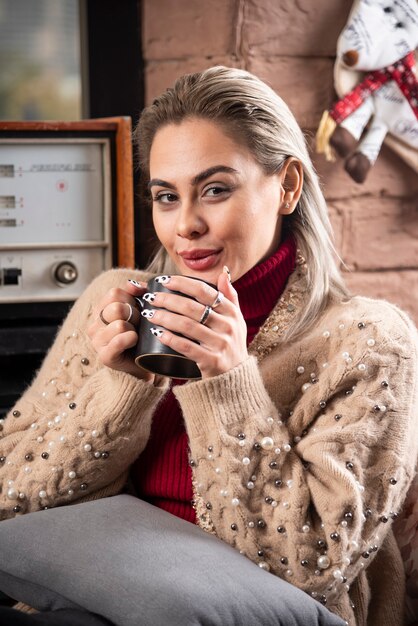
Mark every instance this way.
x=65 y=273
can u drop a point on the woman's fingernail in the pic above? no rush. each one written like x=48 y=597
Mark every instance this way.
x=156 y=331
x=148 y=313
x=227 y=272
x=149 y=297
x=162 y=279
x=134 y=282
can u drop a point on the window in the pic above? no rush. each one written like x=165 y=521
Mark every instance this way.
x=40 y=75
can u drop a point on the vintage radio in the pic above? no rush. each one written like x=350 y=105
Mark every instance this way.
x=66 y=214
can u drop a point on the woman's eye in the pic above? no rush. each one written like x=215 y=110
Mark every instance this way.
x=215 y=191
x=165 y=198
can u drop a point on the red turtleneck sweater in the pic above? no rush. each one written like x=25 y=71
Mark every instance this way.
x=162 y=474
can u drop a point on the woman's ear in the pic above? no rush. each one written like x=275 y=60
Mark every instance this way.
x=292 y=183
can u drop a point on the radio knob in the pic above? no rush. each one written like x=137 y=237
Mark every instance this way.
x=65 y=273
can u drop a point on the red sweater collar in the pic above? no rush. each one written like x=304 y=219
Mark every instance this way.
x=261 y=287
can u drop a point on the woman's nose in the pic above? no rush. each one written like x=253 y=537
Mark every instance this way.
x=190 y=223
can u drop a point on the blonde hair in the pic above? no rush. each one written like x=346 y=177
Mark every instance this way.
x=253 y=114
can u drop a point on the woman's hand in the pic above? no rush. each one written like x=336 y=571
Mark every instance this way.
x=218 y=344
x=113 y=331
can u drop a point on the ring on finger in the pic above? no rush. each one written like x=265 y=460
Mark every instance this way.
x=103 y=319
x=219 y=297
x=205 y=315
x=131 y=312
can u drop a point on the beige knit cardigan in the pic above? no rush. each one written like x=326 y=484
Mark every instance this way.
x=301 y=455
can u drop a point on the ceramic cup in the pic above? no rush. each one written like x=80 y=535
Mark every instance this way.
x=151 y=354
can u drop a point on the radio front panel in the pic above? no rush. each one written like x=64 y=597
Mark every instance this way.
x=55 y=217
x=48 y=275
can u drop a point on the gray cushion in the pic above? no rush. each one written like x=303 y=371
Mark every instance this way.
x=137 y=565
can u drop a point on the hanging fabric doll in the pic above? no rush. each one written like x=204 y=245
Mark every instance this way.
x=375 y=78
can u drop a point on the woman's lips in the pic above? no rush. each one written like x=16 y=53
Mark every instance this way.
x=200 y=259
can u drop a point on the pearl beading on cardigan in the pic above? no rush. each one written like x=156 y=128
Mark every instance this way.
x=46 y=500
x=323 y=561
x=263 y=524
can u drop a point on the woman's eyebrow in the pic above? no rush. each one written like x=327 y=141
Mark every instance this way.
x=160 y=183
x=196 y=179
x=212 y=170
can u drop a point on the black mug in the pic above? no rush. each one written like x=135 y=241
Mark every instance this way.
x=151 y=354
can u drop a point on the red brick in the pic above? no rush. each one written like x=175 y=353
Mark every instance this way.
x=337 y=223
x=379 y=233
x=182 y=29
x=389 y=176
x=303 y=28
x=400 y=288
x=306 y=85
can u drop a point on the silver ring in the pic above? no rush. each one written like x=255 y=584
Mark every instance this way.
x=205 y=315
x=103 y=319
x=219 y=297
x=131 y=312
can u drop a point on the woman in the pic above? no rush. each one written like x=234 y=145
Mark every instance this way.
x=301 y=431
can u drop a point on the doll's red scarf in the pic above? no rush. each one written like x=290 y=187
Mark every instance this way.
x=401 y=72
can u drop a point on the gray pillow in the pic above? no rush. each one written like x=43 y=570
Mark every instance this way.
x=137 y=565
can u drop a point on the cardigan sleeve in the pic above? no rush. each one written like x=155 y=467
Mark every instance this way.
x=79 y=426
x=310 y=495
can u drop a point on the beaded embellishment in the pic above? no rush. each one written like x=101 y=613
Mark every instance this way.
x=283 y=313
x=202 y=512
x=264 y=342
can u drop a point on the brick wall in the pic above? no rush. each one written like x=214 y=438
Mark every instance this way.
x=291 y=44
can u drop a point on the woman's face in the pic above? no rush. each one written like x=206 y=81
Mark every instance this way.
x=212 y=203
